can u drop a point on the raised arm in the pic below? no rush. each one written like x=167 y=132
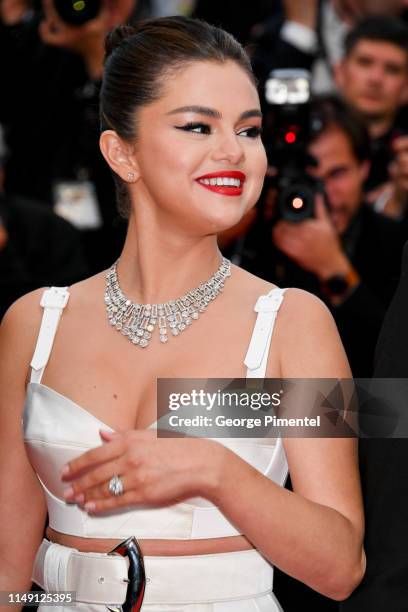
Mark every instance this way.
x=22 y=504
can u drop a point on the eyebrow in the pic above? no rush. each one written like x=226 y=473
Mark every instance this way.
x=214 y=114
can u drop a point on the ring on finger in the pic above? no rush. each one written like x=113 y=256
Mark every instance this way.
x=115 y=486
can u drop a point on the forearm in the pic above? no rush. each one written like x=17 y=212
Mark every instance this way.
x=289 y=529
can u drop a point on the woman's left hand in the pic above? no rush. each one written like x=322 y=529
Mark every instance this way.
x=154 y=471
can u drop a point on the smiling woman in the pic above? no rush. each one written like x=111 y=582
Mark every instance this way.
x=201 y=521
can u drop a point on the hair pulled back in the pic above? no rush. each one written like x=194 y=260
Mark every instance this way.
x=140 y=57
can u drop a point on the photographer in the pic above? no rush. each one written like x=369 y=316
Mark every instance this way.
x=346 y=253
x=373 y=80
x=53 y=139
x=37 y=247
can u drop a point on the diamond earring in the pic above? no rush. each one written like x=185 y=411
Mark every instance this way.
x=131 y=176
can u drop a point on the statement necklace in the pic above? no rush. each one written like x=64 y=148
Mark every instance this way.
x=137 y=322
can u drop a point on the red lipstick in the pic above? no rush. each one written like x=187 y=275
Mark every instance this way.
x=232 y=182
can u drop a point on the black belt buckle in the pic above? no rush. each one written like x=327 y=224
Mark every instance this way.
x=136 y=575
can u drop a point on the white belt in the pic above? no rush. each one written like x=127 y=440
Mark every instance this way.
x=100 y=578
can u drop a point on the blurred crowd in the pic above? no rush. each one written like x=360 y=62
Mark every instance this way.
x=333 y=215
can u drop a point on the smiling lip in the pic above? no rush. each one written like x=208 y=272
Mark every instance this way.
x=230 y=190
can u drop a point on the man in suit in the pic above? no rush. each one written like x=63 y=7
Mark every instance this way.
x=384 y=474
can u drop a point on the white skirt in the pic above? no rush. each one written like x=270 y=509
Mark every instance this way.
x=223 y=582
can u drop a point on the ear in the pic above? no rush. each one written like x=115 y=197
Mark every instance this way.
x=364 y=170
x=339 y=76
x=119 y=155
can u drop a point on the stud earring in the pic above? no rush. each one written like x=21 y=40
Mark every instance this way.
x=131 y=176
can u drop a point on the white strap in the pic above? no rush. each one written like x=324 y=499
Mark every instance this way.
x=53 y=301
x=56 y=568
x=95 y=577
x=267 y=307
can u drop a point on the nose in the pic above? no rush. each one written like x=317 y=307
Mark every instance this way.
x=332 y=194
x=376 y=74
x=229 y=149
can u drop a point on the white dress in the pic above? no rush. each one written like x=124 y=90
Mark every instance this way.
x=56 y=430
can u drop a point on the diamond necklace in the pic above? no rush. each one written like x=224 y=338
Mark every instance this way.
x=137 y=322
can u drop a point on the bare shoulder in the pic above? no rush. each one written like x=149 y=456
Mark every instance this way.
x=303 y=310
x=19 y=327
x=249 y=284
x=307 y=338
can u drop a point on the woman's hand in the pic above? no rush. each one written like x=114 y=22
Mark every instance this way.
x=154 y=471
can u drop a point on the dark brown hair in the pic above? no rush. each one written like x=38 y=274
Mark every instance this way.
x=140 y=57
x=331 y=112
x=378 y=28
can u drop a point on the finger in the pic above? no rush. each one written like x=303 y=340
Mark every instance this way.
x=321 y=211
x=93 y=458
x=92 y=480
x=128 y=499
x=400 y=144
x=108 y=435
x=102 y=491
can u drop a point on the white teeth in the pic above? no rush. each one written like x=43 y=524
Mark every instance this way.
x=221 y=181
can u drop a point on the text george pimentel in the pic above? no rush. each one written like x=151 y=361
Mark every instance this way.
x=255 y=401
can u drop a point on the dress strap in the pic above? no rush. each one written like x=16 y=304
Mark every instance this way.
x=267 y=307
x=53 y=301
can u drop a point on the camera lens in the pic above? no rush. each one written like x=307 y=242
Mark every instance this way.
x=77 y=12
x=296 y=203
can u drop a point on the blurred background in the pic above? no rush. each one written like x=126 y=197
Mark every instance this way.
x=333 y=215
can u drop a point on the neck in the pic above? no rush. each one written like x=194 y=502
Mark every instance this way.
x=156 y=265
x=378 y=126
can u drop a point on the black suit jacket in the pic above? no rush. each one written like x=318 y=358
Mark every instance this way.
x=384 y=474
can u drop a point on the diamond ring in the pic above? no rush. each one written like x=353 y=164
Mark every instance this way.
x=116 y=486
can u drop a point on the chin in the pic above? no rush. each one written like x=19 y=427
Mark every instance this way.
x=371 y=108
x=222 y=218
x=216 y=226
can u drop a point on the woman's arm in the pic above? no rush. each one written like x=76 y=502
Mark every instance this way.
x=22 y=505
x=316 y=532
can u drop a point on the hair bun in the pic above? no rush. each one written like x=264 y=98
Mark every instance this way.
x=116 y=36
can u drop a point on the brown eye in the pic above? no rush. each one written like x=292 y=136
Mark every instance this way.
x=252 y=132
x=198 y=128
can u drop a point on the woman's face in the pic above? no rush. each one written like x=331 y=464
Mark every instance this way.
x=204 y=129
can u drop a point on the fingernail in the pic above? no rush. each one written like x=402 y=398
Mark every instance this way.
x=65 y=470
x=80 y=498
x=69 y=492
x=90 y=506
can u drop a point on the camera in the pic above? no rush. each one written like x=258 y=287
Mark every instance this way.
x=288 y=127
x=77 y=12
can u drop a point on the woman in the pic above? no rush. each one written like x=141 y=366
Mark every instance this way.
x=181 y=128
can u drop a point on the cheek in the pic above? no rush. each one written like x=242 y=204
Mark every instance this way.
x=165 y=169
x=259 y=164
x=354 y=76
x=393 y=87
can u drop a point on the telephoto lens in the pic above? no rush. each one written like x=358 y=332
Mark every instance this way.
x=77 y=12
